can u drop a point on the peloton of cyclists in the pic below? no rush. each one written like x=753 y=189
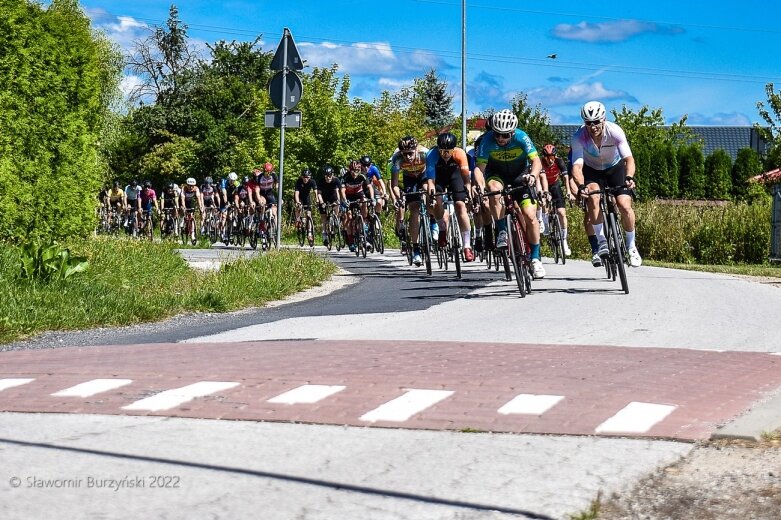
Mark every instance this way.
x=329 y=191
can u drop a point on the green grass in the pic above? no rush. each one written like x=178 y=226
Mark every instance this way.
x=132 y=281
x=769 y=271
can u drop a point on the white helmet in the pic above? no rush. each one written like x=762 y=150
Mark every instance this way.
x=593 y=111
x=190 y=181
x=504 y=121
x=232 y=176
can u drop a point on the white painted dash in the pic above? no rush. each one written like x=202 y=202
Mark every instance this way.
x=636 y=418
x=92 y=387
x=177 y=396
x=10 y=383
x=405 y=406
x=530 y=404
x=306 y=394
x=775 y=353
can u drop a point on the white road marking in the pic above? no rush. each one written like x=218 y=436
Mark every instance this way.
x=173 y=398
x=636 y=418
x=775 y=353
x=306 y=394
x=10 y=383
x=405 y=406
x=530 y=404
x=93 y=387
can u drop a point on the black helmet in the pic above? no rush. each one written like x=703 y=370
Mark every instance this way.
x=327 y=171
x=355 y=166
x=147 y=184
x=306 y=173
x=366 y=161
x=170 y=186
x=408 y=143
x=446 y=141
x=134 y=183
x=116 y=184
x=208 y=180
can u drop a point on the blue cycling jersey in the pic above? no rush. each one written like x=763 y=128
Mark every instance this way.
x=512 y=158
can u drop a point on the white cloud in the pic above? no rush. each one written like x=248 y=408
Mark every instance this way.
x=617 y=31
x=123 y=30
x=369 y=58
x=576 y=94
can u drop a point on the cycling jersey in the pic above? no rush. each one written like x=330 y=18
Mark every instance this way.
x=132 y=193
x=266 y=182
x=190 y=197
x=613 y=148
x=507 y=161
x=330 y=190
x=553 y=170
x=449 y=173
x=354 y=186
x=375 y=177
x=411 y=168
x=169 y=199
x=148 y=196
x=115 y=195
x=304 y=188
x=207 y=192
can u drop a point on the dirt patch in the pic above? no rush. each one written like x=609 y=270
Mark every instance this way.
x=718 y=480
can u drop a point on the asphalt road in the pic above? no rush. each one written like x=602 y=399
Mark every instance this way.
x=700 y=341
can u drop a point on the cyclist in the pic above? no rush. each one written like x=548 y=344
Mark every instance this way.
x=115 y=198
x=601 y=154
x=301 y=196
x=373 y=173
x=508 y=157
x=329 y=191
x=356 y=188
x=554 y=168
x=191 y=196
x=132 y=196
x=482 y=214
x=410 y=161
x=169 y=201
x=148 y=199
x=451 y=170
x=267 y=184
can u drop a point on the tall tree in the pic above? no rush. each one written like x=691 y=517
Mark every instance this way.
x=436 y=99
x=58 y=80
x=747 y=165
x=771 y=113
x=691 y=168
x=719 y=168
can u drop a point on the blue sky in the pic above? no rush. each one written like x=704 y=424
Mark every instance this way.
x=696 y=58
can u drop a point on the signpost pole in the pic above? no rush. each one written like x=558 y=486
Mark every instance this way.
x=282 y=136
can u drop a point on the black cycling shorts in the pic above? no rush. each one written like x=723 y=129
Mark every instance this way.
x=613 y=177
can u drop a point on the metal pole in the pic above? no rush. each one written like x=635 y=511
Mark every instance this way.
x=285 y=36
x=463 y=74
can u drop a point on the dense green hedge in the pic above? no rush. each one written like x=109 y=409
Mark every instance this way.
x=57 y=80
x=687 y=233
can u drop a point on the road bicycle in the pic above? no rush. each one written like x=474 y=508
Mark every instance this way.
x=425 y=242
x=617 y=258
x=555 y=237
x=359 y=228
x=305 y=227
x=518 y=249
x=333 y=227
x=168 y=224
x=187 y=231
x=376 y=236
x=267 y=227
x=211 y=224
x=454 y=248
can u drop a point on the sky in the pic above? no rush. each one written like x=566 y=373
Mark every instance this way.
x=709 y=61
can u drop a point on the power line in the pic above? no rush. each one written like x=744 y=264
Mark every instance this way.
x=493 y=58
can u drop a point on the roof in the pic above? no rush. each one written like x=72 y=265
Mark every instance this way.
x=728 y=138
x=771 y=177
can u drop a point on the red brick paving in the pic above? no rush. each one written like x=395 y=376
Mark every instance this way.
x=708 y=387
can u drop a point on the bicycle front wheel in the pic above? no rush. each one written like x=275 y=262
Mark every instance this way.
x=516 y=253
x=424 y=236
x=617 y=253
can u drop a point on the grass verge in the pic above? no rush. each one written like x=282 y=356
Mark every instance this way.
x=132 y=281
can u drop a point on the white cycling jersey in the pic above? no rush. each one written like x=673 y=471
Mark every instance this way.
x=613 y=148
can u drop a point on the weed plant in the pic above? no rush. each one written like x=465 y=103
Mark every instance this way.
x=133 y=281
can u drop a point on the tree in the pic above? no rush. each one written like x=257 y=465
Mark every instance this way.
x=436 y=100
x=58 y=80
x=162 y=60
x=691 y=169
x=718 y=166
x=747 y=165
x=533 y=120
x=771 y=133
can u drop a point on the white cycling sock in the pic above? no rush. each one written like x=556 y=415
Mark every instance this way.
x=466 y=236
x=599 y=231
x=630 y=239
x=564 y=234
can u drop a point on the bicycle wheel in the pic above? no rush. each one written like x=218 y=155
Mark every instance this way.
x=424 y=238
x=379 y=237
x=310 y=231
x=616 y=254
x=554 y=238
x=337 y=229
x=455 y=244
x=502 y=261
x=252 y=232
x=183 y=232
x=514 y=250
x=300 y=233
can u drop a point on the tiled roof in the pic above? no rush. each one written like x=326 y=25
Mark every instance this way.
x=729 y=138
x=771 y=177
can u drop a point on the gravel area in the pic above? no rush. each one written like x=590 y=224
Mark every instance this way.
x=718 y=480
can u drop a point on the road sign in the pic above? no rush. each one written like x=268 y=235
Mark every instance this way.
x=274 y=119
x=294 y=61
x=293 y=90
